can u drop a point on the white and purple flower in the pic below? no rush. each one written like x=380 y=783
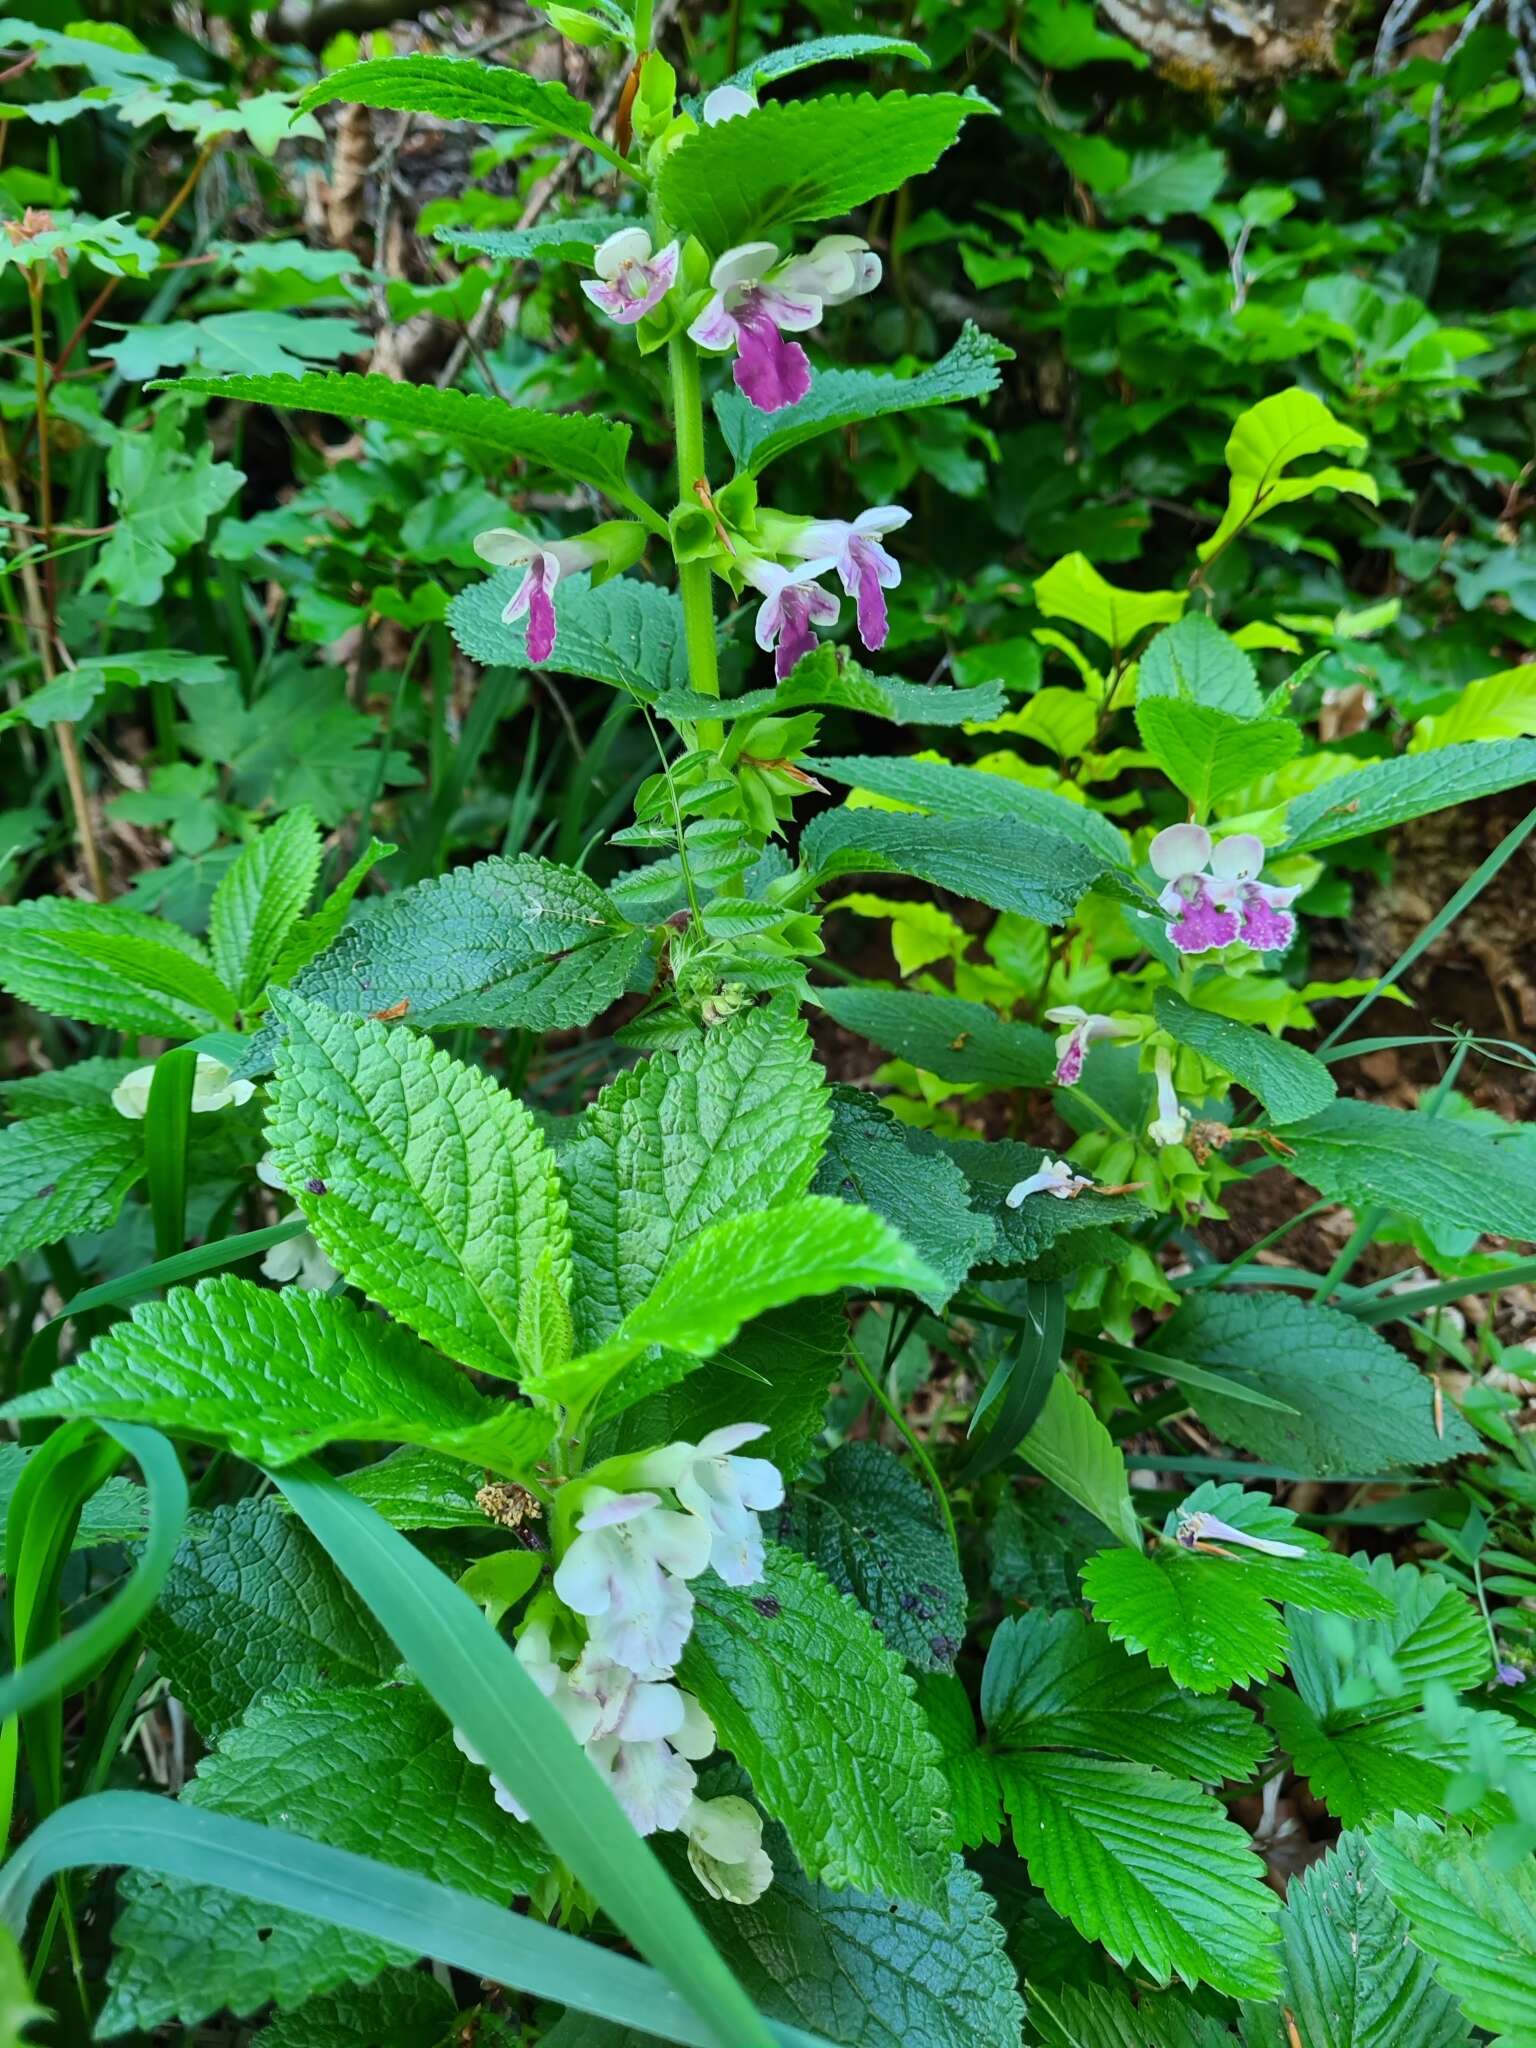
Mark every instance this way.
x=1201 y=921
x=1263 y=908
x=794 y=604
x=867 y=570
x=756 y=300
x=626 y=1572
x=727 y=1494
x=1084 y=1028
x=544 y=562
x=1052 y=1177
x=630 y=280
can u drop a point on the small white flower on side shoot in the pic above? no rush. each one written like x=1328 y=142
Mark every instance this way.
x=1201 y=1531
x=1053 y=1177
x=725 y=1849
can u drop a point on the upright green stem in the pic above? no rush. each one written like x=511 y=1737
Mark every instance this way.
x=693 y=578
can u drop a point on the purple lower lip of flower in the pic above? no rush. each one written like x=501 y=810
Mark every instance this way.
x=874 y=622
x=1510 y=1674
x=1264 y=928
x=795 y=635
x=1202 y=926
x=770 y=372
x=1069 y=1067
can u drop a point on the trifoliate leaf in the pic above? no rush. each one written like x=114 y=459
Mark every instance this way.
x=1473 y=1916
x=63 y=1173
x=821 y=1715
x=252 y=1605
x=276 y=1376
x=428 y=1184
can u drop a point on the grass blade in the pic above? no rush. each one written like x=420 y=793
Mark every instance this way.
x=167 y=1122
x=479 y=1684
x=288 y=1871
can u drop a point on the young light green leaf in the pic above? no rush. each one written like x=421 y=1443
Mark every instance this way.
x=1473 y=1916
x=1360 y=1405
x=428 y=1184
x=1288 y=1081
x=1194 y=662
x=1432 y=1168
x=820 y=1714
x=1073 y=589
x=1071 y=1447
x=733 y=1120
x=253 y=1606
x=1267 y=438
x=63 y=1173
x=1208 y=753
x=1146 y=1864
x=374 y=1771
x=874 y=1531
x=1386 y=793
x=1058 y=1681
x=726 y=184
x=259 y=901
x=624 y=632
x=276 y=1376
x=842 y=398
x=106 y=964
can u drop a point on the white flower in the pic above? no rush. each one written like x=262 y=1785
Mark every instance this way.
x=727 y=1493
x=1052 y=1177
x=300 y=1259
x=1170 y=1125
x=625 y=1572
x=726 y=103
x=652 y=1783
x=213 y=1087
x=725 y=1848
x=839 y=268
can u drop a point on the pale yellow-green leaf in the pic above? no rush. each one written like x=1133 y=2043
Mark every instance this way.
x=1501 y=707
x=1073 y=589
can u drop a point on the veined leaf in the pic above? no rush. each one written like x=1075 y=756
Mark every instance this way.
x=815 y=50
x=260 y=900
x=1360 y=1405
x=1196 y=663
x=407 y=2008
x=1475 y=1918
x=428 y=1184
x=106 y=964
x=842 y=398
x=1073 y=589
x=1501 y=707
x=1058 y=1681
x=457 y=89
x=63 y=1173
x=804 y=160
x=1432 y=1168
x=587 y=449
x=415 y=1489
x=1148 y=1865
x=828 y=676
x=1290 y=1082
x=821 y=1716
x=624 y=632
x=1433 y=1633
x=958 y=1041
x=1071 y=1447
x=949 y=791
x=1267 y=438
x=975 y=1796
x=572 y=240
x=1386 y=793
x=276 y=1376
x=1208 y=753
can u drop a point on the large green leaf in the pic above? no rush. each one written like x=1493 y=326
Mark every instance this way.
x=1146 y=1864
x=903 y=1175
x=804 y=160
x=457 y=89
x=428 y=1184
x=106 y=964
x=1432 y=1633
x=1073 y=589
x=406 y=2008
x=589 y=450
x=252 y=1605
x=873 y=1529
x=1266 y=440
x=828 y=676
x=1353 y=1978
x=955 y=792
x=624 y=632
x=1432 y=1168
x=1385 y=793
x=259 y=901
x=958 y=1041
x=1206 y=753
x=276 y=1376
x=1289 y=1082
x=735 y=1119
x=842 y=398
x=510 y=944
x=63 y=1173
x=375 y=1771
x=1058 y=1681
x=820 y=1714
x=1360 y=1405
x=1474 y=1917
x=1196 y=663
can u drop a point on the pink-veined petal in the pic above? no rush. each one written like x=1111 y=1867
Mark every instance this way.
x=790 y=312
x=715 y=328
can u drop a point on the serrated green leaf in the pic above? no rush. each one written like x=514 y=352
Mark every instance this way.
x=1056 y=1681
x=375 y=1771
x=1386 y=793
x=164 y=496
x=64 y=1172
x=624 y=632
x=458 y=89
x=276 y=1376
x=821 y=1716
x=1196 y=663
x=1071 y=1447
x=1433 y=1633
x=949 y=791
x=427 y=1184
x=1037 y=1544
x=87 y=1084
x=310 y=936
x=578 y=445
x=872 y=1528
x=1148 y=1865
x=415 y=1489
x=829 y=677
x=804 y=160
x=106 y=964
x=975 y=1797
x=904 y=1176
x=548 y=241
x=959 y=1041
x=1289 y=1082
x=1432 y=1168
x=1360 y=1405
x=842 y=398
x=735 y=1119
x=1266 y=440
x=802 y=56
x=1003 y=862
x=1353 y=1978
x=405 y=2008
x=1474 y=1917
x=259 y=901
x=252 y=1605
x=1073 y=589
x=504 y=943
x=1207 y=754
